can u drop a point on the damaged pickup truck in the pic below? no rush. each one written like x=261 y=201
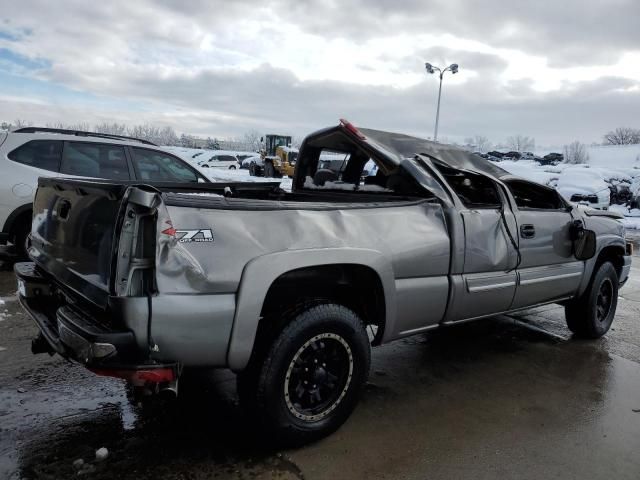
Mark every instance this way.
x=291 y=290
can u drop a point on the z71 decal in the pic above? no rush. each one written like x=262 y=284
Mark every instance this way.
x=202 y=235
x=188 y=236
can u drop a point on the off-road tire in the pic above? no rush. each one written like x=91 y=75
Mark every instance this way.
x=21 y=232
x=591 y=315
x=262 y=387
x=269 y=170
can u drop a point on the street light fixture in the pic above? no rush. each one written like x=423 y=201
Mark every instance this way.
x=431 y=69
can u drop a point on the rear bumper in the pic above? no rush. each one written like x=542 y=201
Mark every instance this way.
x=73 y=334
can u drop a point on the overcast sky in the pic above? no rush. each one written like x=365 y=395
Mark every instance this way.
x=554 y=70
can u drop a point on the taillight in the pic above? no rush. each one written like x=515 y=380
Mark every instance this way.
x=349 y=127
x=141 y=376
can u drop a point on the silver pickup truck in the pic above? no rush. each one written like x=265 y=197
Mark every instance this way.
x=291 y=290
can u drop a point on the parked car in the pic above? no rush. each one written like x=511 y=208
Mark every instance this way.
x=552 y=159
x=242 y=156
x=291 y=290
x=29 y=153
x=218 y=160
x=252 y=163
x=582 y=186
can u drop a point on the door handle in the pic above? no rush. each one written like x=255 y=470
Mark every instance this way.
x=527 y=231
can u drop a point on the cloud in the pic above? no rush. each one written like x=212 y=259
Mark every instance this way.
x=221 y=68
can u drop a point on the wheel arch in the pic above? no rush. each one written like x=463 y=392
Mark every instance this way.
x=268 y=273
x=23 y=211
x=612 y=250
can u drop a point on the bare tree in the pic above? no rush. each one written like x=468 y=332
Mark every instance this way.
x=169 y=137
x=576 y=153
x=296 y=141
x=478 y=143
x=111 y=128
x=81 y=126
x=252 y=140
x=521 y=143
x=19 y=123
x=187 y=141
x=622 y=136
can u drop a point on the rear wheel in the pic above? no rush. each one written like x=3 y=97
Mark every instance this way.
x=309 y=379
x=591 y=315
x=20 y=237
x=232 y=167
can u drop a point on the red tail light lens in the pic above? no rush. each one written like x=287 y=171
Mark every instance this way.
x=349 y=127
x=151 y=375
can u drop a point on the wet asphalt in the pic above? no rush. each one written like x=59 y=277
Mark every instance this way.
x=508 y=397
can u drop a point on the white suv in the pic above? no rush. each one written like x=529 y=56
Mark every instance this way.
x=29 y=153
x=218 y=160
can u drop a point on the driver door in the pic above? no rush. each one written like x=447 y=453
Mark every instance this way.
x=548 y=268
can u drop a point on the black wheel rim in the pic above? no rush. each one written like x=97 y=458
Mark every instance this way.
x=604 y=300
x=318 y=377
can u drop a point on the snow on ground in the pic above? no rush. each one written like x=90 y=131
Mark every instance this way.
x=593 y=178
x=614 y=156
x=242 y=175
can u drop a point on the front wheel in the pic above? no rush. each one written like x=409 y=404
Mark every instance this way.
x=232 y=167
x=591 y=315
x=269 y=170
x=310 y=378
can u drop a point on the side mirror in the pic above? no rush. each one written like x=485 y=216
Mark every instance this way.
x=585 y=245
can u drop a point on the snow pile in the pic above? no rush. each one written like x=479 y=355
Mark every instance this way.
x=531 y=170
x=338 y=185
x=585 y=182
x=631 y=218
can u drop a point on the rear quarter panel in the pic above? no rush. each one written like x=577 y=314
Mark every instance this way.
x=407 y=246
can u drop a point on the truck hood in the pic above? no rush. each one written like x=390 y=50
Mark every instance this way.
x=591 y=212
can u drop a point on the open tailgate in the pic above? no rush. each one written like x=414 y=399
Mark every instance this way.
x=74 y=233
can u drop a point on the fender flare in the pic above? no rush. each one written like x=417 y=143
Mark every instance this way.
x=261 y=272
x=603 y=241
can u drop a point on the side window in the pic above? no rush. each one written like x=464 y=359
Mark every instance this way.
x=95 y=160
x=44 y=154
x=225 y=158
x=531 y=195
x=473 y=189
x=152 y=165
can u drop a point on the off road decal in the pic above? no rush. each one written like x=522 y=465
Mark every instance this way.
x=188 y=236
x=202 y=235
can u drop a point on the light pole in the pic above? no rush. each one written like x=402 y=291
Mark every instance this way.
x=453 y=68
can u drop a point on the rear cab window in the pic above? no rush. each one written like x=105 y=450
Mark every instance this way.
x=44 y=154
x=357 y=171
